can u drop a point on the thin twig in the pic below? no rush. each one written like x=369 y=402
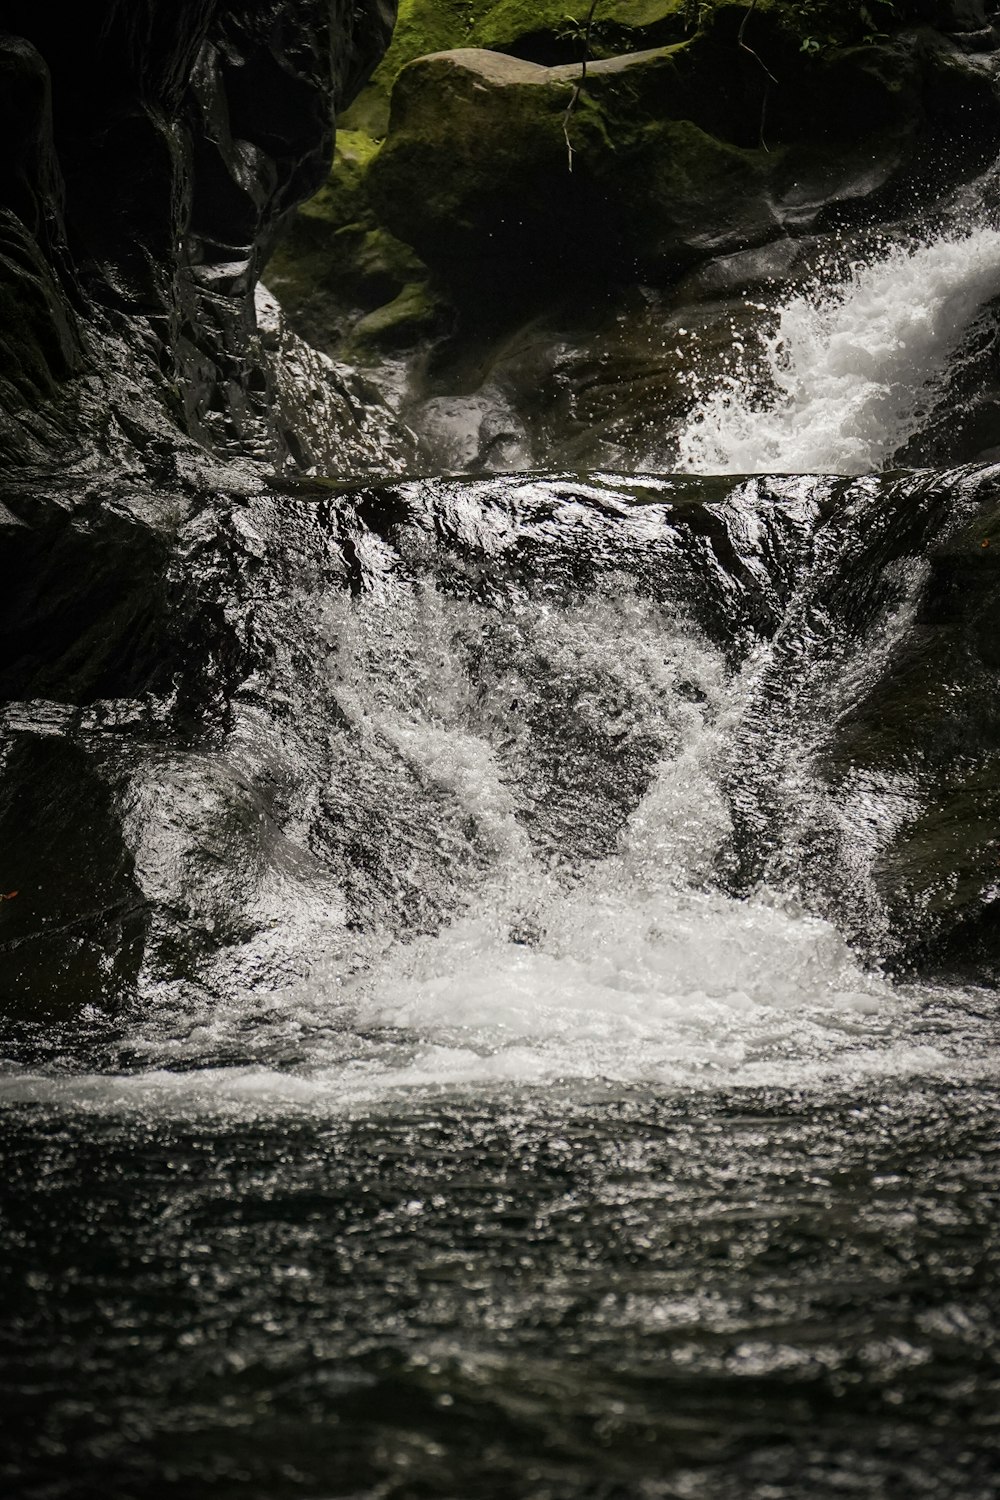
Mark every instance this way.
x=745 y=46
x=578 y=86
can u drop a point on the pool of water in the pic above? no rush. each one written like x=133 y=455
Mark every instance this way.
x=577 y=1290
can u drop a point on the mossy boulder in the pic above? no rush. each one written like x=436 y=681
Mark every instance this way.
x=542 y=31
x=551 y=32
x=492 y=159
x=415 y=313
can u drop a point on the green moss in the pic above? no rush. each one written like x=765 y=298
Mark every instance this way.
x=504 y=25
x=342 y=200
x=666 y=138
x=335 y=257
x=414 y=314
x=548 y=31
x=422 y=27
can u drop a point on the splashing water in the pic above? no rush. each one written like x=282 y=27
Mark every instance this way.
x=848 y=373
x=627 y=970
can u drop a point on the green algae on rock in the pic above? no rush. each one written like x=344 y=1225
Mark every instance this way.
x=413 y=314
x=336 y=261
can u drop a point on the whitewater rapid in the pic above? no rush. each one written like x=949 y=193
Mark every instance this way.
x=631 y=971
x=846 y=371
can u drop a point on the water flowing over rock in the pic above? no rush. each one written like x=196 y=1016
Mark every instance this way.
x=499 y=825
x=281 y=747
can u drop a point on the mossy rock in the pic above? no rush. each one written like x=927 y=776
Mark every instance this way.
x=341 y=200
x=336 y=261
x=551 y=32
x=494 y=160
x=543 y=31
x=421 y=28
x=415 y=314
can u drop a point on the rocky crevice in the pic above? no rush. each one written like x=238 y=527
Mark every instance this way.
x=153 y=154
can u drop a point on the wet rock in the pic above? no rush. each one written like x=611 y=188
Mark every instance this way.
x=873 y=730
x=217 y=120
x=73 y=921
x=932 y=720
x=348 y=706
x=272 y=780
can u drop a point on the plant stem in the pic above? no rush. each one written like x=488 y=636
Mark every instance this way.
x=578 y=86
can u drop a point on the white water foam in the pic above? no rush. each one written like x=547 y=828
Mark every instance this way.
x=634 y=974
x=846 y=376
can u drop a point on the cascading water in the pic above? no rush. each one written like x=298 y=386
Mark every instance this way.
x=629 y=969
x=534 y=1119
x=850 y=369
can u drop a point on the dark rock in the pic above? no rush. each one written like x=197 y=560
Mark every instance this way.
x=73 y=921
x=872 y=734
x=152 y=154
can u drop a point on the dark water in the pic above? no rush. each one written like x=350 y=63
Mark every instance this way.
x=564 y=1293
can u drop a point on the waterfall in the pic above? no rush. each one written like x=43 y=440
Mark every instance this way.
x=846 y=370
x=550 y=1064
x=526 y=732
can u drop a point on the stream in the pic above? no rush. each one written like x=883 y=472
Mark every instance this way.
x=572 y=1122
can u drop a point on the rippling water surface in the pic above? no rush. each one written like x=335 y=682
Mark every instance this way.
x=574 y=1291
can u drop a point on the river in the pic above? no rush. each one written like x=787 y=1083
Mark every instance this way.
x=615 y=1157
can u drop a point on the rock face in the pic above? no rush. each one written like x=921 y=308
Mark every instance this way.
x=152 y=153
x=866 y=764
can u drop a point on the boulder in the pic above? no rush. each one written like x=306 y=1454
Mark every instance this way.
x=662 y=156
x=505 y=177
